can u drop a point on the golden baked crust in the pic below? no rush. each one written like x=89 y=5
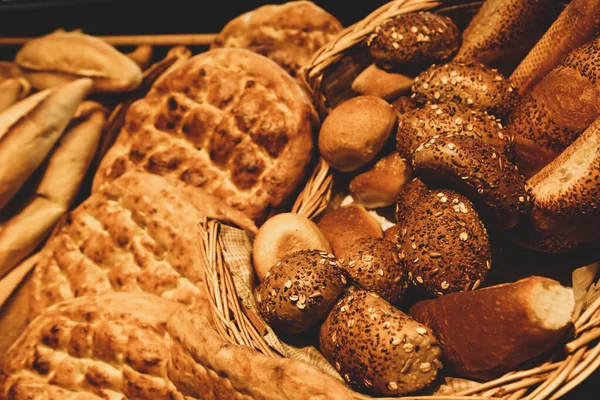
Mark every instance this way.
x=288 y=34
x=229 y=121
x=139 y=346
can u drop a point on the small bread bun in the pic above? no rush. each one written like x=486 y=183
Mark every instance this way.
x=346 y=224
x=355 y=132
x=407 y=195
x=377 y=82
x=379 y=186
x=377 y=348
x=420 y=125
x=443 y=243
x=413 y=38
x=300 y=290
x=282 y=235
x=473 y=85
x=373 y=263
x=477 y=170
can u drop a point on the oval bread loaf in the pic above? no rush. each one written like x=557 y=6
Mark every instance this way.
x=377 y=348
x=420 y=125
x=443 y=244
x=475 y=169
x=413 y=38
x=473 y=85
x=300 y=290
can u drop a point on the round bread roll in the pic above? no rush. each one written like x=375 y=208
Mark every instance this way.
x=420 y=125
x=300 y=290
x=374 y=265
x=377 y=348
x=443 y=243
x=474 y=85
x=408 y=194
x=413 y=38
x=355 y=132
x=379 y=186
x=282 y=235
x=478 y=171
x=346 y=224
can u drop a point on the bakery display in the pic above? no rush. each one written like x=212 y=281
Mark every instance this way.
x=228 y=121
x=495 y=329
x=557 y=110
x=373 y=264
x=377 y=348
x=282 y=235
x=443 y=244
x=63 y=57
x=477 y=170
x=286 y=33
x=401 y=242
x=300 y=290
x=355 y=132
x=413 y=38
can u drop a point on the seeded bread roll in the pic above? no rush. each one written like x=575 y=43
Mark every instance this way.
x=473 y=84
x=374 y=81
x=420 y=125
x=374 y=265
x=493 y=330
x=282 y=235
x=391 y=233
x=475 y=169
x=408 y=194
x=443 y=244
x=377 y=348
x=300 y=290
x=413 y=38
x=346 y=224
x=355 y=132
x=404 y=104
x=379 y=186
x=557 y=110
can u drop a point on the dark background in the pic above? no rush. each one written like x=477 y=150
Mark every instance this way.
x=114 y=17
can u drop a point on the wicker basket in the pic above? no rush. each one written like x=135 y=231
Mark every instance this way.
x=327 y=79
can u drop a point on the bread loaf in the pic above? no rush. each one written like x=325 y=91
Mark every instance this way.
x=374 y=81
x=355 y=132
x=557 y=110
x=491 y=331
x=12 y=91
x=407 y=196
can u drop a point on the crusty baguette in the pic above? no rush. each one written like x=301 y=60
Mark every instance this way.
x=566 y=193
x=488 y=332
x=58 y=187
x=26 y=142
x=578 y=23
x=557 y=110
x=12 y=91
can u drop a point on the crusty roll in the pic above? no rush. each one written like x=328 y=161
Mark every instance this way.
x=283 y=235
x=566 y=198
x=377 y=348
x=488 y=332
x=404 y=104
x=346 y=224
x=408 y=194
x=557 y=110
x=472 y=84
x=374 y=81
x=379 y=186
x=299 y=291
x=355 y=132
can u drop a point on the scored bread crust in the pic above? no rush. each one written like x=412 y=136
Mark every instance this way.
x=288 y=34
x=229 y=121
x=137 y=345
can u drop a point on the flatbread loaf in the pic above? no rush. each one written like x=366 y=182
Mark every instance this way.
x=139 y=346
x=288 y=34
x=229 y=121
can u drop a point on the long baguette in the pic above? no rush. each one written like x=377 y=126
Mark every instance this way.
x=26 y=138
x=488 y=332
x=59 y=185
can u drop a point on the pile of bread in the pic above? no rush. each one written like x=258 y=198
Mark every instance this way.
x=110 y=164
